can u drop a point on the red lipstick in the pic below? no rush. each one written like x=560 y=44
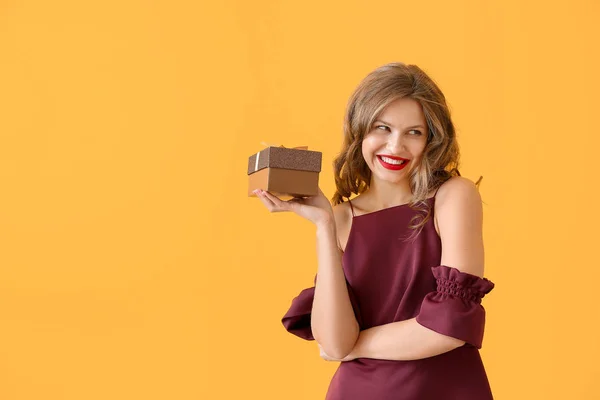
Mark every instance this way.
x=393 y=167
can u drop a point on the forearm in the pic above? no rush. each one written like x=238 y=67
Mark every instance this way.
x=403 y=340
x=333 y=323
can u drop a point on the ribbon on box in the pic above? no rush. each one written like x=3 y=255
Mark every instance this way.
x=274 y=145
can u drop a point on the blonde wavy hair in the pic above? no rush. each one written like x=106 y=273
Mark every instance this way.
x=441 y=156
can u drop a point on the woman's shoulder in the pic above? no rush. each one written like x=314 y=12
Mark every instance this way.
x=459 y=216
x=456 y=199
x=341 y=211
x=457 y=186
x=361 y=204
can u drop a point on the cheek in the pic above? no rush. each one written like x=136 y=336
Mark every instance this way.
x=370 y=143
x=419 y=148
x=418 y=152
x=367 y=148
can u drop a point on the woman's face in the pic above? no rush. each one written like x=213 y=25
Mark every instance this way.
x=400 y=132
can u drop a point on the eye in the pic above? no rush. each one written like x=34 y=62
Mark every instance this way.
x=418 y=132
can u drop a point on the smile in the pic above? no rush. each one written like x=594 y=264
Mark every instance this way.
x=392 y=164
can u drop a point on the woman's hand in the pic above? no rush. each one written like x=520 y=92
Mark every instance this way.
x=317 y=209
x=326 y=357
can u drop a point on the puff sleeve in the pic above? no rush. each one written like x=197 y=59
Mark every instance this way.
x=454 y=309
x=297 y=319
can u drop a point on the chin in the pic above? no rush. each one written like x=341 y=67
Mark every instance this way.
x=392 y=178
x=382 y=174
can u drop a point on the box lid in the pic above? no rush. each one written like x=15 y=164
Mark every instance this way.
x=282 y=157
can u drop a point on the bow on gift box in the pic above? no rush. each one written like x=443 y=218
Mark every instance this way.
x=272 y=145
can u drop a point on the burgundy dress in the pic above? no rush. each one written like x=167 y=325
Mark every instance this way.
x=390 y=279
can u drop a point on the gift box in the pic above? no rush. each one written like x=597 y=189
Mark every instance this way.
x=285 y=172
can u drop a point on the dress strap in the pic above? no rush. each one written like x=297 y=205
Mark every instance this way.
x=351 y=208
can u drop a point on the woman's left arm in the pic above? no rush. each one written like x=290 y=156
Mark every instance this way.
x=460 y=221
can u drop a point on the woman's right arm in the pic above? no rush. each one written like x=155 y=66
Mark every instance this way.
x=333 y=322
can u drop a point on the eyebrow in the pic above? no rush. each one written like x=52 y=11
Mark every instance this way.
x=408 y=127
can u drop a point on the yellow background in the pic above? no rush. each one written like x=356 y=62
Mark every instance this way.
x=132 y=263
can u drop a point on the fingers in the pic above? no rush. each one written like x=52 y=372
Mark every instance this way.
x=265 y=200
x=274 y=203
x=325 y=356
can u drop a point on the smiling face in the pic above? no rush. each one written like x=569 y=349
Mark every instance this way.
x=400 y=132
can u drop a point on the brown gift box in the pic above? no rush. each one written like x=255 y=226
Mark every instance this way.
x=285 y=172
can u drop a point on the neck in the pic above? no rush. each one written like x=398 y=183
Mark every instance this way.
x=384 y=194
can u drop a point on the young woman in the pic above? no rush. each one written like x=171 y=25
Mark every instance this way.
x=397 y=295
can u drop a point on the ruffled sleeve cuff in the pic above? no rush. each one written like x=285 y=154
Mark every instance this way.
x=298 y=317
x=454 y=308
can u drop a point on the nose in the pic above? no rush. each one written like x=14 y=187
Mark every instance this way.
x=395 y=144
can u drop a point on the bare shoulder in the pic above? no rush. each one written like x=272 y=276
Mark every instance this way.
x=460 y=218
x=343 y=216
x=455 y=196
x=457 y=189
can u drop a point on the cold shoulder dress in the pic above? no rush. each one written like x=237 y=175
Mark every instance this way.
x=390 y=279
